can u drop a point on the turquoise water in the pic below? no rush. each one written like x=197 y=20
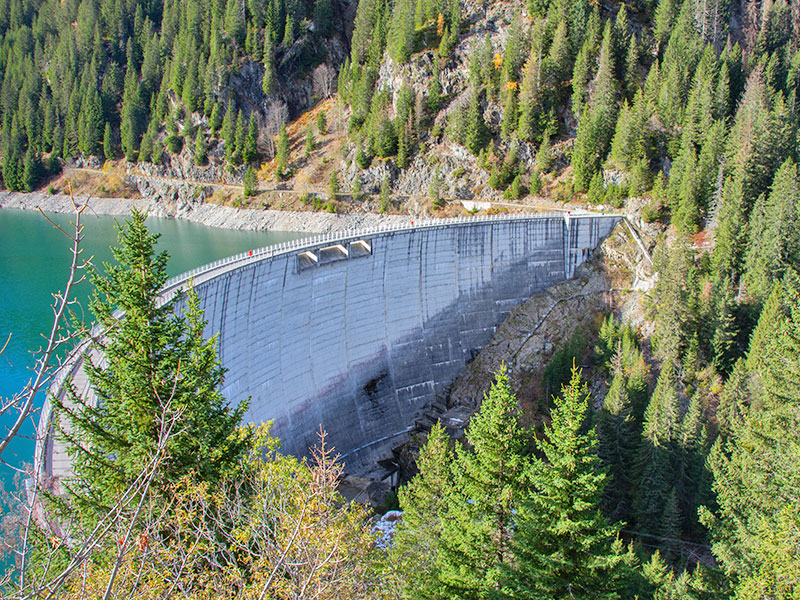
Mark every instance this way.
x=34 y=259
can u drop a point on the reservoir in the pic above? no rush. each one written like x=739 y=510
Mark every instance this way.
x=34 y=259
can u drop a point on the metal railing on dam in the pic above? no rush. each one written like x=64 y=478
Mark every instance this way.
x=374 y=333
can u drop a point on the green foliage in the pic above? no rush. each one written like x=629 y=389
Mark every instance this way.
x=559 y=368
x=333 y=184
x=564 y=547
x=250 y=182
x=157 y=369
x=385 y=196
x=424 y=502
x=200 y=148
x=282 y=153
x=490 y=479
x=756 y=467
x=322 y=123
x=474 y=128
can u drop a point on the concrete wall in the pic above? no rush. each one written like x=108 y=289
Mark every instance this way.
x=362 y=341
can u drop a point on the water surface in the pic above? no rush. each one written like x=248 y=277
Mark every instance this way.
x=34 y=262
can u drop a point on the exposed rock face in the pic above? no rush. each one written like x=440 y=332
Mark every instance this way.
x=529 y=336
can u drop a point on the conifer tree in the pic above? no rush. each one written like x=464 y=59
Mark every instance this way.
x=774 y=244
x=268 y=81
x=282 y=152
x=310 y=143
x=200 y=147
x=475 y=128
x=424 y=502
x=490 y=480
x=250 y=147
x=108 y=142
x=239 y=137
x=616 y=430
x=656 y=455
x=756 y=468
x=215 y=121
x=132 y=114
x=229 y=132
x=323 y=17
x=563 y=545
x=250 y=182
x=157 y=368
x=235 y=21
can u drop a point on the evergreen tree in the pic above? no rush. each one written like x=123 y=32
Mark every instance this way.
x=774 y=244
x=157 y=370
x=563 y=546
x=424 y=502
x=108 y=142
x=282 y=153
x=616 y=430
x=490 y=480
x=235 y=21
x=238 y=136
x=656 y=455
x=323 y=17
x=310 y=143
x=250 y=182
x=475 y=128
x=131 y=129
x=757 y=468
x=268 y=81
x=200 y=148
x=250 y=147
x=385 y=195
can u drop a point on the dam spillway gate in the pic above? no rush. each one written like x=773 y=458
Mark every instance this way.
x=360 y=332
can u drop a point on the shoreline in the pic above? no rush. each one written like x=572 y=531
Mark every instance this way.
x=210 y=215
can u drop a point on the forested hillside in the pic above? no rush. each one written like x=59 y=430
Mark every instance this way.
x=138 y=78
x=682 y=113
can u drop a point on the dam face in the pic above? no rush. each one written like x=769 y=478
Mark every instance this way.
x=359 y=335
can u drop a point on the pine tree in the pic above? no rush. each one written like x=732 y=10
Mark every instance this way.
x=756 y=469
x=250 y=147
x=563 y=546
x=475 y=128
x=250 y=182
x=323 y=17
x=235 y=21
x=239 y=136
x=333 y=185
x=200 y=148
x=108 y=142
x=157 y=368
x=774 y=245
x=490 y=480
x=656 y=454
x=385 y=195
x=282 y=153
x=215 y=121
x=424 y=502
x=268 y=81
x=616 y=430
x=131 y=128
x=310 y=143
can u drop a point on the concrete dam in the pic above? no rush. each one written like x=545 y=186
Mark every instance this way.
x=361 y=332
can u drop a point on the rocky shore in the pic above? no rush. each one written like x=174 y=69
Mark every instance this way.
x=210 y=215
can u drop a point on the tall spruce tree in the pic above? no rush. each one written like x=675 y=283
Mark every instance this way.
x=157 y=386
x=424 y=502
x=490 y=478
x=563 y=545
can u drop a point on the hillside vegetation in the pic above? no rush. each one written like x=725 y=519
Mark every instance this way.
x=680 y=478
